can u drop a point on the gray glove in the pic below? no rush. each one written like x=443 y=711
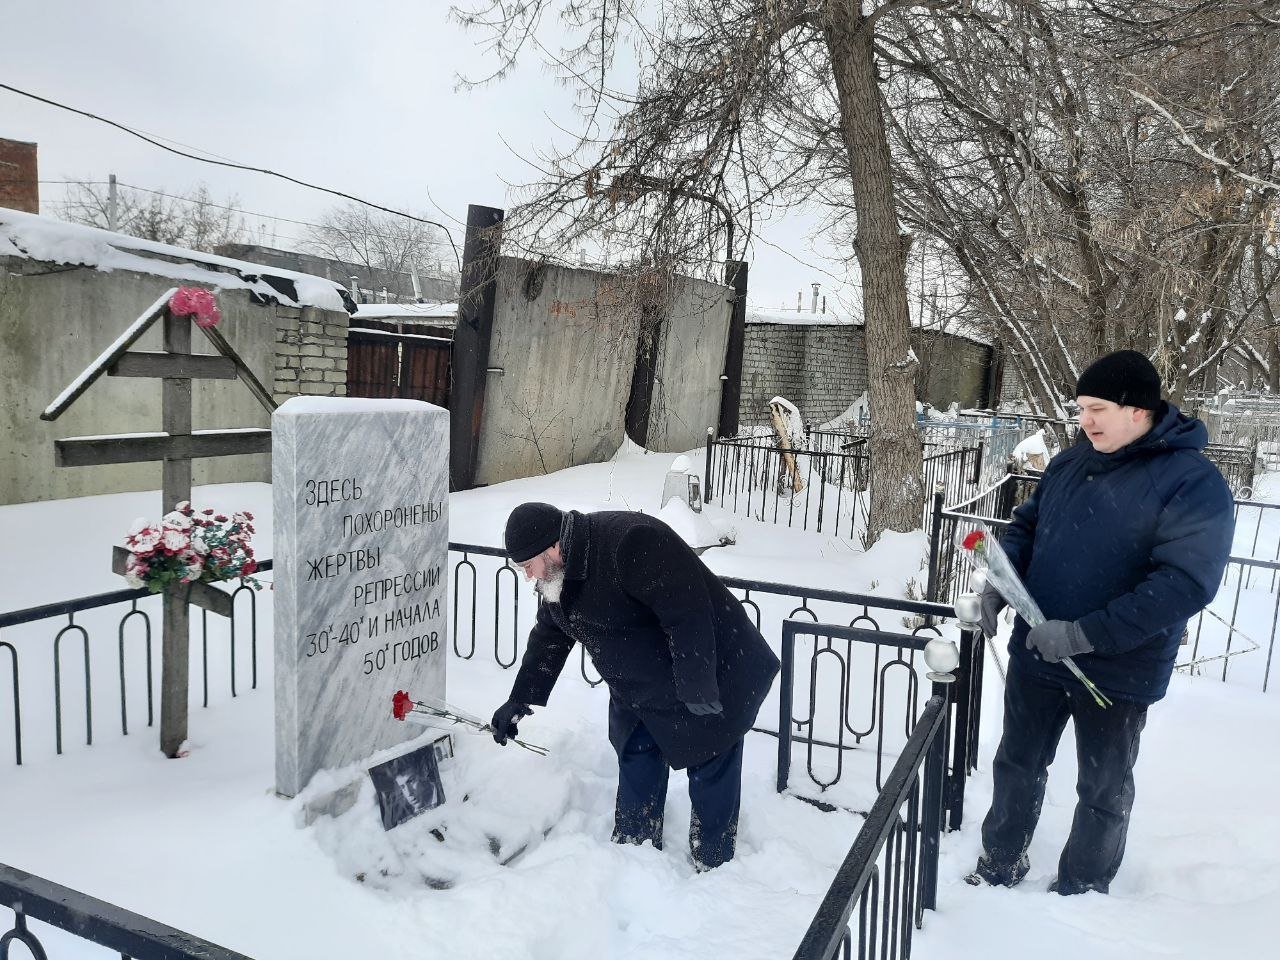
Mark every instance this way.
x=1055 y=639
x=705 y=709
x=992 y=604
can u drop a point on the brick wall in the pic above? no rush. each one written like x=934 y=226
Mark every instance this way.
x=310 y=353
x=19 y=179
x=772 y=365
x=835 y=370
x=821 y=368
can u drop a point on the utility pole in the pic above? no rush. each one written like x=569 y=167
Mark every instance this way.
x=113 y=219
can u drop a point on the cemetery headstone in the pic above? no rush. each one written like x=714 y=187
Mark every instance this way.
x=360 y=493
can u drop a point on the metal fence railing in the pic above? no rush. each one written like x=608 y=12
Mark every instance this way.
x=809 y=490
x=1238 y=466
x=1249 y=420
x=850 y=715
x=116 y=930
x=890 y=875
x=822 y=486
x=838 y=701
x=124 y=616
x=1238 y=454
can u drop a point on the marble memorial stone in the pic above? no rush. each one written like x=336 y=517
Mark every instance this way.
x=360 y=493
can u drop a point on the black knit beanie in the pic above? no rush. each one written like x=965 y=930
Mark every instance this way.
x=531 y=528
x=1125 y=377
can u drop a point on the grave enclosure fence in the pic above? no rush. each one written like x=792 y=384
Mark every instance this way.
x=836 y=705
x=822 y=486
x=128 y=616
x=129 y=934
x=890 y=874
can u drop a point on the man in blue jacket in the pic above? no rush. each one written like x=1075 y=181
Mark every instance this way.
x=1124 y=539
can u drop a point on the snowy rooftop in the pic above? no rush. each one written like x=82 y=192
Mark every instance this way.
x=32 y=237
x=802 y=318
x=806 y=318
x=406 y=311
x=956 y=328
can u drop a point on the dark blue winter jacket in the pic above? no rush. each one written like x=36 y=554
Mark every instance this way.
x=1129 y=544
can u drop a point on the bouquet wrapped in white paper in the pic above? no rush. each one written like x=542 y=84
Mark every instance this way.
x=984 y=553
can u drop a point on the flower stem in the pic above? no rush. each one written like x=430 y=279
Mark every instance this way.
x=1100 y=698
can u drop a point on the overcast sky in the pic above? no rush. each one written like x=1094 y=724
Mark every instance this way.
x=361 y=97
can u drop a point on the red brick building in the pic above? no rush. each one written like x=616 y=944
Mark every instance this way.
x=19 y=180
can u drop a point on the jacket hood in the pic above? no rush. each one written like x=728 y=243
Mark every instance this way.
x=1173 y=430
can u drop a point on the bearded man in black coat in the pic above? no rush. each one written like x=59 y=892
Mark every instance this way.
x=686 y=669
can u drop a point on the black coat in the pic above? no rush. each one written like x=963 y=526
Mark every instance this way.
x=662 y=631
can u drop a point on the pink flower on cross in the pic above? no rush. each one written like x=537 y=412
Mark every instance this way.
x=135 y=568
x=176 y=540
x=197 y=303
x=143 y=538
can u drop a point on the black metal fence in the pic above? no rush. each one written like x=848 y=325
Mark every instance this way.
x=115 y=929
x=842 y=673
x=890 y=875
x=823 y=491
x=842 y=713
x=1237 y=464
x=126 y=616
x=822 y=486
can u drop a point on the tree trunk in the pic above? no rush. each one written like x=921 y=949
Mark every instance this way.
x=897 y=488
x=1273 y=360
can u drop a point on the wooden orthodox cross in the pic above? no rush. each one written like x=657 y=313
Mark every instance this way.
x=175 y=446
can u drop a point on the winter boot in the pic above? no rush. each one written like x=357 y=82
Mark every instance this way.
x=994 y=875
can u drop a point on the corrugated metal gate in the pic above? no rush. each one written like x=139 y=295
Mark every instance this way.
x=390 y=359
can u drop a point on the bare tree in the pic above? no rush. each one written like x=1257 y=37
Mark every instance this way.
x=1104 y=174
x=193 y=219
x=388 y=247
x=741 y=108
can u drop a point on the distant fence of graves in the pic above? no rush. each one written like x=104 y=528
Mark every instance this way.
x=822 y=483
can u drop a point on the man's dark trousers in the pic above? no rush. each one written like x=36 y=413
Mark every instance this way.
x=715 y=790
x=1035 y=712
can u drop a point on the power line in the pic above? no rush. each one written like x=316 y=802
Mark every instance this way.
x=235 y=166
x=207 y=203
x=256 y=233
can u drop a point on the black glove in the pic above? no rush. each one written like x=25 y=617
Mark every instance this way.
x=1055 y=639
x=705 y=709
x=992 y=604
x=505 y=719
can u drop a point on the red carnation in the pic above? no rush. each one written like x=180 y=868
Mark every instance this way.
x=401 y=704
x=974 y=540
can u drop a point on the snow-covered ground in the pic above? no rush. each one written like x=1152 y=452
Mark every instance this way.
x=204 y=845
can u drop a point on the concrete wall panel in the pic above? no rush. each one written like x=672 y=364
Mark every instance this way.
x=54 y=321
x=566 y=344
x=686 y=390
